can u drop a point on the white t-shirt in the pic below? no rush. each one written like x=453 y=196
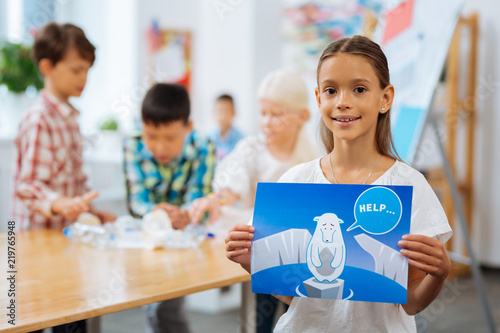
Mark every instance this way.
x=249 y=163
x=326 y=315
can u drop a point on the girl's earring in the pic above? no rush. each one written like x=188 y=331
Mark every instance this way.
x=383 y=110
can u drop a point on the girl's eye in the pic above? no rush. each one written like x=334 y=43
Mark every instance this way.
x=360 y=90
x=330 y=91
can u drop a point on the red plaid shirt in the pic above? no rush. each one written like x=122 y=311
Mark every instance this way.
x=49 y=162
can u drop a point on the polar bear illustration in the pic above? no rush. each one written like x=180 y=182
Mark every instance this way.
x=326 y=250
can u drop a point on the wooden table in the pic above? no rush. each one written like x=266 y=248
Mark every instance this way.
x=59 y=282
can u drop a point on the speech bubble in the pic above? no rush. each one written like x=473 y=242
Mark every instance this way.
x=377 y=211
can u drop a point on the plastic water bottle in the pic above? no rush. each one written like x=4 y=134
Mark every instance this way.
x=195 y=233
x=102 y=236
x=191 y=236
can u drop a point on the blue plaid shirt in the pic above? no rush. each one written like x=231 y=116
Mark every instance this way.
x=179 y=182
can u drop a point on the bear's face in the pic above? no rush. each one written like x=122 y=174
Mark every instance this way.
x=327 y=232
x=328 y=224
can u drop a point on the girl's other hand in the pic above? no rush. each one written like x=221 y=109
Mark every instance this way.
x=427 y=254
x=239 y=245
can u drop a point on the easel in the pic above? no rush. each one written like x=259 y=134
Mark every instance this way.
x=458 y=108
x=461 y=108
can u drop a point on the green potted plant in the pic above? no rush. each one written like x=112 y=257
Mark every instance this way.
x=17 y=70
x=111 y=136
x=109 y=124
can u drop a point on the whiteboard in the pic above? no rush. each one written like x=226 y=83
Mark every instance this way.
x=415 y=37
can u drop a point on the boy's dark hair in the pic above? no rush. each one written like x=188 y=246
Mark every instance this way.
x=225 y=97
x=53 y=41
x=165 y=103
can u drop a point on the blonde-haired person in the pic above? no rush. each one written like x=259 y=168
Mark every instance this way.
x=281 y=144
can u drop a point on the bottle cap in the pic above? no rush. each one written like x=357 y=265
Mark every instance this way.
x=67 y=232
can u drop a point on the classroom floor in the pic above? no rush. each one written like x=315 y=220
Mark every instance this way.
x=457 y=309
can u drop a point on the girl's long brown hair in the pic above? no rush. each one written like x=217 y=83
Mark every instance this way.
x=363 y=46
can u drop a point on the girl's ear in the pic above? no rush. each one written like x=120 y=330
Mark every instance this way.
x=318 y=97
x=387 y=98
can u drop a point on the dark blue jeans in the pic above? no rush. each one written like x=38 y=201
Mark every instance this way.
x=74 y=327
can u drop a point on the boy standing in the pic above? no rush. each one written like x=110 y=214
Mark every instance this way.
x=226 y=136
x=50 y=187
x=49 y=183
x=167 y=167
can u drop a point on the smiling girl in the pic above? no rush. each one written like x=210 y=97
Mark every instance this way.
x=354 y=96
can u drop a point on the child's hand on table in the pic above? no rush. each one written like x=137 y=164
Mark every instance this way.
x=202 y=205
x=105 y=217
x=178 y=217
x=70 y=208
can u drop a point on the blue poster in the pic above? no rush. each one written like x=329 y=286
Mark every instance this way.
x=331 y=241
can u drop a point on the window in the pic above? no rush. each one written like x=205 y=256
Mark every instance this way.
x=20 y=19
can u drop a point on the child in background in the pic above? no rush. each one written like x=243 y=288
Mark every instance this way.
x=50 y=188
x=166 y=168
x=226 y=136
x=282 y=143
x=354 y=96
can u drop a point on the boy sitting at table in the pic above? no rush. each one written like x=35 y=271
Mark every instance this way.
x=167 y=167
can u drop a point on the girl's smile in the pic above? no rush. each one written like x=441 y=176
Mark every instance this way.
x=345 y=120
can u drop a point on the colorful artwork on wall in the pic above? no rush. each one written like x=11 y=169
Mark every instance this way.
x=309 y=26
x=169 y=55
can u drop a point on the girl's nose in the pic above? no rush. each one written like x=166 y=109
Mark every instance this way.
x=343 y=101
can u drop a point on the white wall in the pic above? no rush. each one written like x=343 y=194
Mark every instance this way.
x=111 y=27
x=487 y=175
x=225 y=62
